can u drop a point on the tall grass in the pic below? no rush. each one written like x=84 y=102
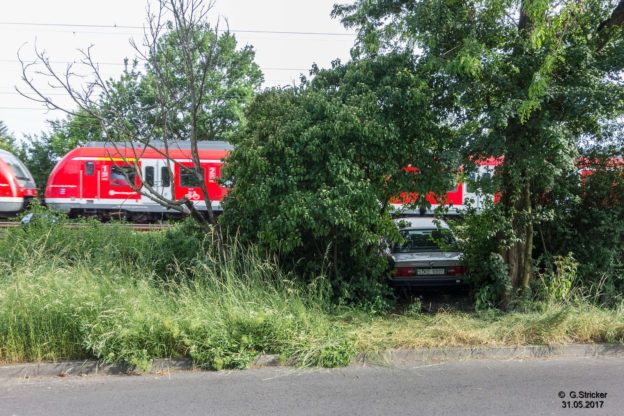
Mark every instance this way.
x=105 y=293
x=109 y=293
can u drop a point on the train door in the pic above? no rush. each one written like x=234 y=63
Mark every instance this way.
x=472 y=195
x=89 y=181
x=157 y=174
x=476 y=194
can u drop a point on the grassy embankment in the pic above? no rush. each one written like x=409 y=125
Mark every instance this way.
x=109 y=293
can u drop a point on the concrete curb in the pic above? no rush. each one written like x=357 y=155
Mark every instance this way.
x=391 y=358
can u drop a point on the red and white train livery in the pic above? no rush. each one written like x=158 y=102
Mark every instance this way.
x=17 y=185
x=93 y=179
x=456 y=199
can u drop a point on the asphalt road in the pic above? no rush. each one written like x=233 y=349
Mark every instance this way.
x=480 y=387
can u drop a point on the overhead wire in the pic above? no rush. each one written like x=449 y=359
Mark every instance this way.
x=268 y=68
x=115 y=26
x=26 y=108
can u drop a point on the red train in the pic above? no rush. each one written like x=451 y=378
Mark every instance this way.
x=94 y=179
x=17 y=186
x=456 y=197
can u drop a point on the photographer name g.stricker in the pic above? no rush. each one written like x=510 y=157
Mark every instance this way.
x=587 y=395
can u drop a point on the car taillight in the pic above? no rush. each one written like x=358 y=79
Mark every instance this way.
x=456 y=271
x=404 y=271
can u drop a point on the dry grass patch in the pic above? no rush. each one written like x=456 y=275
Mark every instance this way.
x=555 y=325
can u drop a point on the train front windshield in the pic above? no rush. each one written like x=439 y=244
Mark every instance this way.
x=21 y=172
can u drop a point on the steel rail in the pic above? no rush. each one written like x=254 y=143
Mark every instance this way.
x=134 y=227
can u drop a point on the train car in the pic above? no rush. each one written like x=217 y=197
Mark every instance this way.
x=464 y=194
x=96 y=179
x=17 y=186
x=457 y=199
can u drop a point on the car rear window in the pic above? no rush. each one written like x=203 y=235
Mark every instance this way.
x=419 y=240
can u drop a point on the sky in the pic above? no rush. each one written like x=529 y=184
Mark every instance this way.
x=63 y=27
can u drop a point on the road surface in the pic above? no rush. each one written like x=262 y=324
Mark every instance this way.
x=479 y=387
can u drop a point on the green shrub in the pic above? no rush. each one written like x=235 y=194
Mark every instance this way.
x=555 y=283
x=588 y=220
x=316 y=166
x=480 y=237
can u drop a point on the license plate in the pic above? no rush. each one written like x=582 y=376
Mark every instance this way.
x=429 y=272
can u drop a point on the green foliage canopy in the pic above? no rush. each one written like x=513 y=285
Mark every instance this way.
x=7 y=141
x=316 y=165
x=529 y=81
x=184 y=68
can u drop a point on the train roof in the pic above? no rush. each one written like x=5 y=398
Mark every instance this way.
x=155 y=150
x=158 y=144
x=6 y=153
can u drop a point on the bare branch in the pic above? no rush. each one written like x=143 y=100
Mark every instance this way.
x=132 y=126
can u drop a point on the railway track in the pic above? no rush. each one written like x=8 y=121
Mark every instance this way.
x=135 y=227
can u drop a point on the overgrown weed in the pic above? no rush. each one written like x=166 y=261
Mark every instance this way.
x=105 y=292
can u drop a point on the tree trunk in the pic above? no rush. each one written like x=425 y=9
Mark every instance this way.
x=519 y=255
x=527 y=267
x=197 y=216
x=517 y=205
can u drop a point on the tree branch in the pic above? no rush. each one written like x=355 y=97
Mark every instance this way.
x=606 y=27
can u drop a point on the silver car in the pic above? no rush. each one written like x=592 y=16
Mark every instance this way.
x=427 y=256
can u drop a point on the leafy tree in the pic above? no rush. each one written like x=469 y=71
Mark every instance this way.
x=529 y=81
x=227 y=89
x=140 y=98
x=194 y=86
x=41 y=152
x=7 y=141
x=315 y=167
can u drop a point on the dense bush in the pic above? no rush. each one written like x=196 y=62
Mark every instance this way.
x=316 y=166
x=480 y=237
x=588 y=221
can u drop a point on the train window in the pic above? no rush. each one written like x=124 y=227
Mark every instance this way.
x=165 y=177
x=18 y=171
x=120 y=175
x=188 y=179
x=90 y=169
x=149 y=175
x=472 y=179
x=21 y=173
x=227 y=183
